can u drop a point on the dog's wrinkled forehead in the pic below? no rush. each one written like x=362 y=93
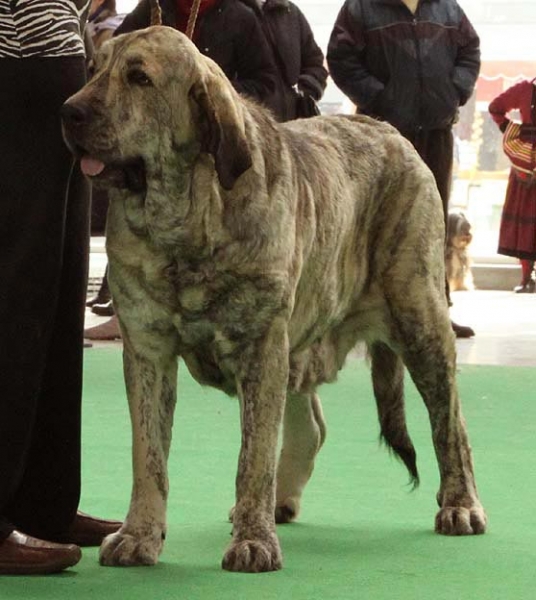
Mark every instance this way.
x=163 y=51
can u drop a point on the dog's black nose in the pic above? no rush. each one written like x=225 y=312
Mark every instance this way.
x=74 y=114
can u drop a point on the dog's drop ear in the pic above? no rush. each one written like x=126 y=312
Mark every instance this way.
x=221 y=130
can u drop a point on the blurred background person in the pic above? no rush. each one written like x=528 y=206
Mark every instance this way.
x=517 y=234
x=413 y=64
x=103 y=20
x=227 y=31
x=299 y=59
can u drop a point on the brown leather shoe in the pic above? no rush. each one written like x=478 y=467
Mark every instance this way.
x=21 y=554
x=109 y=330
x=88 y=531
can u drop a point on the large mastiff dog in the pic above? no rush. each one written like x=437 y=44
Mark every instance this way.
x=260 y=254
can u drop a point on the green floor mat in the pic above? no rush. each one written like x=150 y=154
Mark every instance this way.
x=362 y=533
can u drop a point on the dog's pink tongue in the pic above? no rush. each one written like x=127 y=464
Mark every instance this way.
x=91 y=166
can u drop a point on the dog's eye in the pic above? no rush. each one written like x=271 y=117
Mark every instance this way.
x=138 y=77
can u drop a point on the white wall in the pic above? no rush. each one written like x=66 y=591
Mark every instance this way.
x=124 y=6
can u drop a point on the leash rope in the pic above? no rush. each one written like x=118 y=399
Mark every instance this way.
x=192 y=18
x=156 y=13
x=156 y=16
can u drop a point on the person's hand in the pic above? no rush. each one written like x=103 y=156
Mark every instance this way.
x=308 y=86
x=504 y=125
x=305 y=89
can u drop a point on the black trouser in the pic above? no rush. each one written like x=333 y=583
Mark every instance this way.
x=44 y=241
x=436 y=148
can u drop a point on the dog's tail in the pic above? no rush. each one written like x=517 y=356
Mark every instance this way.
x=388 y=383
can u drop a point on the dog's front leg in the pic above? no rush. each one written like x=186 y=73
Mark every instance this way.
x=151 y=390
x=262 y=385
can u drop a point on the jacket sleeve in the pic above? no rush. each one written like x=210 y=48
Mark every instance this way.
x=467 y=64
x=139 y=18
x=503 y=103
x=255 y=69
x=313 y=75
x=346 y=57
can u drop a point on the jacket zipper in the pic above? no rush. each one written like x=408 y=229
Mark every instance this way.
x=414 y=23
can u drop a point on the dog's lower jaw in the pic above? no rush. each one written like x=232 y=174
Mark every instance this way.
x=127 y=175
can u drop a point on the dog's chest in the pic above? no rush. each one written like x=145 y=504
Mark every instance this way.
x=218 y=310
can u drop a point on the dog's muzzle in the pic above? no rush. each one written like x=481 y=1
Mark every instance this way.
x=103 y=171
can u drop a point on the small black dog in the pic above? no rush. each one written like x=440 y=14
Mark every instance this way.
x=458 y=263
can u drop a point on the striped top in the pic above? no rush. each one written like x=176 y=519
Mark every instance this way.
x=42 y=28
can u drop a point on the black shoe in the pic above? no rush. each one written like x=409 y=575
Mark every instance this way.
x=462 y=331
x=526 y=288
x=104 y=310
x=103 y=295
x=98 y=299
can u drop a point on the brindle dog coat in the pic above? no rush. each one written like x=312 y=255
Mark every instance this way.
x=260 y=253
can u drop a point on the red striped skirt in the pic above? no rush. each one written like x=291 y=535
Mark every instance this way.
x=517 y=236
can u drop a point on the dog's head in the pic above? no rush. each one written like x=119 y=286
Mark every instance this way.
x=155 y=99
x=459 y=230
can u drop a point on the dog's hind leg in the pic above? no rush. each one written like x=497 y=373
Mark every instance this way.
x=304 y=431
x=388 y=383
x=428 y=349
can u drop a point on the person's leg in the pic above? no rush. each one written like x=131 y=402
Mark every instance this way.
x=436 y=148
x=103 y=295
x=33 y=180
x=43 y=233
x=527 y=285
x=48 y=480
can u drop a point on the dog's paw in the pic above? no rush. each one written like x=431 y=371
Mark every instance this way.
x=126 y=550
x=253 y=556
x=287 y=510
x=455 y=520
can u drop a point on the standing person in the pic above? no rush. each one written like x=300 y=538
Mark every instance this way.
x=103 y=20
x=298 y=57
x=413 y=64
x=517 y=236
x=227 y=31
x=44 y=212
x=230 y=33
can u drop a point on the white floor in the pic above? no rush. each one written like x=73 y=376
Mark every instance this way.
x=504 y=322
x=505 y=326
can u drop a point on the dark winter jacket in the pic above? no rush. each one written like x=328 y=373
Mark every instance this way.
x=231 y=34
x=297 y=56
x=412 y=70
